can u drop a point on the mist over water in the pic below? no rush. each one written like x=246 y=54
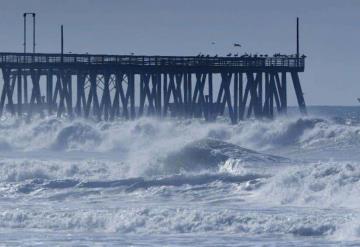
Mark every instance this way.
x=293 y=180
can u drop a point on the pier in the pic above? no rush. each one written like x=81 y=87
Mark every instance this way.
x=106 y=87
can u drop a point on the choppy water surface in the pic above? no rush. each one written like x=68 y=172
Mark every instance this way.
x=293 y=181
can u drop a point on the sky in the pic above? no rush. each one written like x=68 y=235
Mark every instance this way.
x=329 y=33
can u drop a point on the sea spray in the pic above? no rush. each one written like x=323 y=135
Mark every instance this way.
x=180 y=177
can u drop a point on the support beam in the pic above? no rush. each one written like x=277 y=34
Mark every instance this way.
x=156 y=80
x=93 y=101
x=299 y=92
x=105 y=103
x=242 y=102
x=49 y=91
x=224 y=96
x=19 y=92
x=236 y=96
x=131 y=91
x=283 y=93
x=6 y=92
x=198 y=98
x=145 y=94
x=26 y=99
x=36 y=102
x=80 y=94
x=66 y=93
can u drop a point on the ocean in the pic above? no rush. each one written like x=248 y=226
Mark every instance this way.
x=291 y=181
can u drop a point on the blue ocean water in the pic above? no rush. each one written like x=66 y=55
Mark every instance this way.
x=291 y=181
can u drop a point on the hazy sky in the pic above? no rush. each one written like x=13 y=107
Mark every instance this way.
x=330 y=33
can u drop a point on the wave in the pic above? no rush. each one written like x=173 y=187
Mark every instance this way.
x=181 y=178
x=20 y=170
x=71 y=137
x=308 y=191
x=133 y=184
x=198 y=157
x=300 y=133
x=208 y=153
x=322 y=184
x=147 y=135
x=164 y=220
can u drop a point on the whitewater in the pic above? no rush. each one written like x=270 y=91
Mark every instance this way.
x=291 y=181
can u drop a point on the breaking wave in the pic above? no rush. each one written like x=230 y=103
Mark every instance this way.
x=182 y=220
x=170 y=135
x=132 y=184
x=329 y=184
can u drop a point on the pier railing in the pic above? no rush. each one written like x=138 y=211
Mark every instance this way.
x=132 y=60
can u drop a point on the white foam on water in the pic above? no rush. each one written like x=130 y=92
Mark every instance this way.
x=322 y=184
x=180 y=176
x=159 y=136
x=174 y=220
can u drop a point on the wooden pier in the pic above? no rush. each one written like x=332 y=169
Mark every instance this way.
x=114 y=86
